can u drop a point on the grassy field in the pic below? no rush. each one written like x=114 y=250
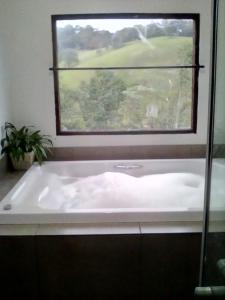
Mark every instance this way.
x=158 y=51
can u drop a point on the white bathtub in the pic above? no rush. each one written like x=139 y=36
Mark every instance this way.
x=24 y=204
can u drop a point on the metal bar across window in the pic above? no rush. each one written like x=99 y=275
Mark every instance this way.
x=129 y=68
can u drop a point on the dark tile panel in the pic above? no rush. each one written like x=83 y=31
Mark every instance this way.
x=18 y=268
x=89 y=267
x=149 y=266
x=215 y=250
x=170 y=266
x=128 y=152
x=218 y=150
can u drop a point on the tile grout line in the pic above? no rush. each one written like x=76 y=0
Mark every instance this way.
x=139 y=225
x=37 y=229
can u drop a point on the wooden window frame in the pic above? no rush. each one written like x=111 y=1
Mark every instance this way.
x=195 y=69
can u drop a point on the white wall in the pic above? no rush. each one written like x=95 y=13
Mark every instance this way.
x=30 y=52
x=4 y=78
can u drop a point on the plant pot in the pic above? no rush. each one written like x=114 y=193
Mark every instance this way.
x=23 y=164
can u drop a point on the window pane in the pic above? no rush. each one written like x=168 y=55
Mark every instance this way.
x=124 y=42
x=108 y=100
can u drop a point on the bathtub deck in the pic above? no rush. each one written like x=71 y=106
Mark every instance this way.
x=8 y=181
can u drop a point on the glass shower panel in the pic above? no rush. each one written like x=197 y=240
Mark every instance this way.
x=214 y=265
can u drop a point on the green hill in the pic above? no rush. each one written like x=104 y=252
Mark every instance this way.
x=156 y=51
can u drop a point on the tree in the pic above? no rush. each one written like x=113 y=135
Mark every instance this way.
x=71 y=115
x=66 y=37
x=68 y=57
x=124 y=35
x=100 y=99
x=154 y=30
x=133 y=109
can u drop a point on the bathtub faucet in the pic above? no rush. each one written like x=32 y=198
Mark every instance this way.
x=127 y=166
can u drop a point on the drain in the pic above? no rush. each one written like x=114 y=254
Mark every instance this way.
x=7 y=207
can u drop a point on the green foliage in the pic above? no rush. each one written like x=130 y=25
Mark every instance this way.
x=97 y=101
x=130 y=99
x=17 y=142
x=71 y=114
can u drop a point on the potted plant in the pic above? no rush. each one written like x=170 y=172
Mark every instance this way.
x=25 y=144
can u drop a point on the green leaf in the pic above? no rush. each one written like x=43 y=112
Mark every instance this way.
x=18 y=142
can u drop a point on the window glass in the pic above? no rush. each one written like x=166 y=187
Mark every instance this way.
x=118 y=75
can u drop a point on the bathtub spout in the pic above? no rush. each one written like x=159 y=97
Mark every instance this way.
x=127 y=166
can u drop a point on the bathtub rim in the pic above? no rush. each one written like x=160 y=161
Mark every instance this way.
x=125 y=215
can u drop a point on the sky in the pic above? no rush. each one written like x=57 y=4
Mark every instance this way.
x=111 y=25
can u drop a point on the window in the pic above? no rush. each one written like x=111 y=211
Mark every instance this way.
x=126 y=73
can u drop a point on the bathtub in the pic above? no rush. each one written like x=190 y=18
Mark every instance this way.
x=22 y=204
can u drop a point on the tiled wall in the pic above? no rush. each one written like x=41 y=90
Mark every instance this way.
x=128 y=152
x=116 y=152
